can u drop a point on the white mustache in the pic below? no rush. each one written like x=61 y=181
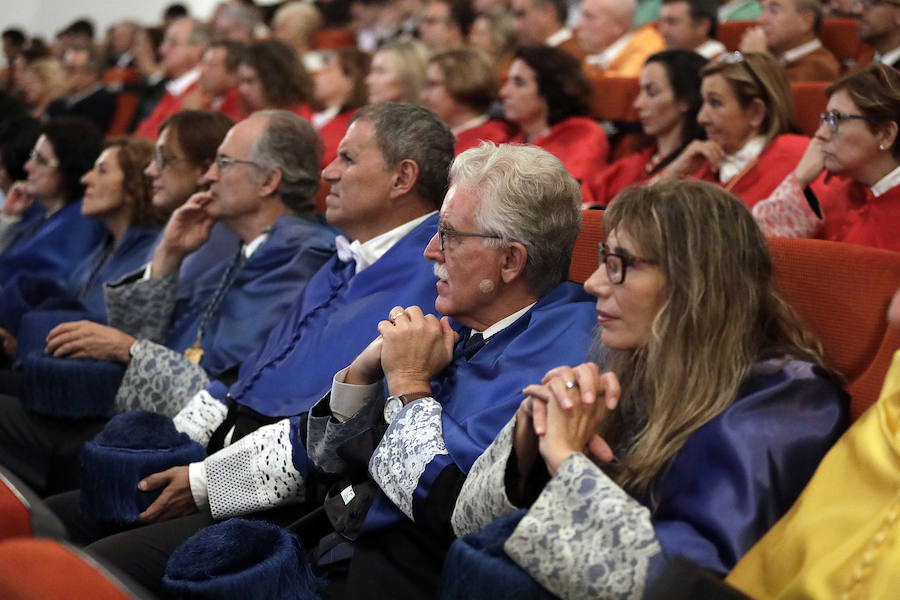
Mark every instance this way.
x=440 y=271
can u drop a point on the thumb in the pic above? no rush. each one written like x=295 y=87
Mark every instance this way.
x=450 y=336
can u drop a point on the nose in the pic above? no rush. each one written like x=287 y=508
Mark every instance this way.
x=86 y=178
x=598 y=283
x=150 y=170
x=703 y=115
x=638 y=101
x=330 y=172
x=504 y=91
x=433 y=249
x=823 y=132
x=212 y=173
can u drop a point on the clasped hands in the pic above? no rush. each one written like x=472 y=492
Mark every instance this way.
x=560 y=416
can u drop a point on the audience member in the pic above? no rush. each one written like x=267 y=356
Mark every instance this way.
x=217 y=86
x=445 y=24
x=86 y=96
x=493 y=33
x=398 y=73
x=708 y=376
x=460 y=86
x=271 y=76
x=691 y=25
x=340 y=89
x=544 y=22
x=548 y=97
x=788 y=29
x=614 y=48
x=18 y=133
x=42 y=80
x=878 y=24
x=235 y=21
x=13 y=43
x=667 y=107
x=296 y=24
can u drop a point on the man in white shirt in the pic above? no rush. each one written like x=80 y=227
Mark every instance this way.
x=691 y=25
x=879 y=26
x=543 y=22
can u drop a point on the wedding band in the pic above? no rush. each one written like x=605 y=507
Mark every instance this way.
x=570 y=385
x=394 y=315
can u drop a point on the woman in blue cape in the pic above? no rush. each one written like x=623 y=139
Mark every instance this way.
x=713 y=412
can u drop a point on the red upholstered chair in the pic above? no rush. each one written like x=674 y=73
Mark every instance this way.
x=332 y=39
x=38 y=569
x=809 y=100
x=730 y=33
x=584 y=255
x=613 y=98
x=22 y=513
x=840 y=36
x=842 y=292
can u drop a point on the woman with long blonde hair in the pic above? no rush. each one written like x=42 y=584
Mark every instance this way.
x=711 y=413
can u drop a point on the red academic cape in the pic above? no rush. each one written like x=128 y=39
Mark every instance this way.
x=760 y=178
x=232 y=106
x=167 y=106
x=580 y=143
x=332 y=133
x=854 y=215
x=616 y=177
x=492 y=131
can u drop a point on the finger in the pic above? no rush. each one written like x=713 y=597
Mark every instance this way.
x=561 y=391
x=384 y=326
x=153 y=512
x=539 y=392
x=396 y=313
x=611 y=389
x=414 y=312
x=527 y=405
x=563 y=371
x=599 y=448
x=586 y=376
x=539 y=417
x=67 y=348
x=450 y=337
x=157 y=480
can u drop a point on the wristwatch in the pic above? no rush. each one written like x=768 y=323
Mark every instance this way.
x=395 y=403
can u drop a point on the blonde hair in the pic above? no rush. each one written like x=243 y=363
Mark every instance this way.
x=721 y=315
x=50 y=71
x=775 y=93
x=410 y=62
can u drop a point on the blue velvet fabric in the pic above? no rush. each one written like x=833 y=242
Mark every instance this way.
x=264 y=288
x=332 y=322
x=69 y=388
x=58 y=245
x=82 y=291
x=480 y=395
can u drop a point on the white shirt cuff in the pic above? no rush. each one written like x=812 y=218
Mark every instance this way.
x=199 y=487
x=347 y=398
x=147 y=271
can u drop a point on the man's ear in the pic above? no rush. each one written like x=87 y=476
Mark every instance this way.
x=406 y=174
x=513 y=263
x=271 y=183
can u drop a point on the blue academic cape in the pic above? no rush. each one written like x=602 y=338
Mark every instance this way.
x=479 y=396
x=82 y=292
x=262 y=290
x=61 y=242
x=329 y=325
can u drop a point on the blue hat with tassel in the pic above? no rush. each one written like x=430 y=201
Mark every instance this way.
x=241 y=559
x=132 y=446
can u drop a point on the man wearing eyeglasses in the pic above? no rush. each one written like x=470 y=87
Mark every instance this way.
x=85 y=97
x=879 y=26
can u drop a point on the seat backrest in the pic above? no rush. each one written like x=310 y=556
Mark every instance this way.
x=842 y=292
x=40 y=569
x=730 y=33
x=841 y=37
x=584 y=255
x=613 y=98
x=809 y=100
x=23 y=513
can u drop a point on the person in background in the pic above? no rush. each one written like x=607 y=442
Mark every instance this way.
x=691 y=25
x=271 y=76
x=296 y=24
x=86 y=96
x=217 y=87
x=614 y=47
x=544 y=22
x=42 y=80
x=340 y=89
x=398 y=73
x=492 y=33
x=445 y=24
x=878 y=24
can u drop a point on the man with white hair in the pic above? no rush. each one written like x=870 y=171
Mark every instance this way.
x=614 y=47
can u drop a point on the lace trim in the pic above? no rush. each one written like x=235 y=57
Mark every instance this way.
x=411 y=442
x=142 y=308
x=483 y=498
x=585 y=537
x=255 y=473
x=200 y=418
x=786 y=212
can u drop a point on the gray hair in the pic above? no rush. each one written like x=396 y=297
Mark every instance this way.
x=199 y=34
x=527 y=196
x=407 y=131
x=291 y=145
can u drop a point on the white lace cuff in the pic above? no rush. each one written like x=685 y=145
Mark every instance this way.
x=201 y=417
x=585 y=537
x=197 y=479
x=255 y=473
x=786 y=212
x=412 y=440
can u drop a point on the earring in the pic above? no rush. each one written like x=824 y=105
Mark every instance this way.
x=881 y=147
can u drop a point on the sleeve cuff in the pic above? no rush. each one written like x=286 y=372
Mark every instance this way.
x=199 y=487
x=347 y=399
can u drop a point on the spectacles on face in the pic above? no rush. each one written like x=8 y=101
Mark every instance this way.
x=223 y=161
x=42 y=160
x=734 y=58
x=617 y=264
x=161 y=160
x=833 y=119
x=444 y=232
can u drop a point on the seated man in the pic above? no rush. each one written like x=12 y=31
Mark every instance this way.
x=85 y=95
x=614 y=47
x=260 y=192
x=879 y=27
x=691 y=25
x=544 y=22
x=788 y=29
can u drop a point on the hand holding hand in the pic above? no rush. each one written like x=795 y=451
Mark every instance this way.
x=176 y=500
x=416 y=347
x=86 y=338
x=366 y=368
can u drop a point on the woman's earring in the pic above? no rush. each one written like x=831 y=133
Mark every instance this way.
x=881 y=147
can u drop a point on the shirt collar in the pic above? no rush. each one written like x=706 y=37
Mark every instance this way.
x=560 y=36
x=254 y=244
x=889 y=57
x=710 y=49
x=605 y=58
x=366 y=254
x=732 y=164
x=800 y=51
x=179 y=85
x=320 y=118
x=503 y=323
x=886 y=183
x=470 y=124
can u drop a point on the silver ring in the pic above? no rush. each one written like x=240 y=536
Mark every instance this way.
x=393 y=316
x=570 y=385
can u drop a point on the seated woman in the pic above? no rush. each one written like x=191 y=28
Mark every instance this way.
x=493 y=32
x=460 y=86
x=339 y=89
x=751 y=148
x=271 y=76
x=118 y=195
x=43 y=81
x=18 y=133
x=667 y=106
x=712 y=412
x=398 y=72
x=548 y=97
x=858 y=140
x=61 y=237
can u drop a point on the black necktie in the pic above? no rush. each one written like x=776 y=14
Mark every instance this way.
x=469 y=345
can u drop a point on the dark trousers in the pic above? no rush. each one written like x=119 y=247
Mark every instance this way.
x=45 y=452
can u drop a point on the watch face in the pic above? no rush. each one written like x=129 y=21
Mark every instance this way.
x=392 y=408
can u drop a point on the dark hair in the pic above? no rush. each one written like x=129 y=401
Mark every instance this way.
x=354 y=64
x=683 y=72
x=175 y=11
x=234 y=53
x=407 y=131
x=875 y=91
x=17 y=137
x=461 y=13
x=133 y=157
x=702 y=9
x=96 y=62
x=14 y=36
x=77 y=144
x=198 y=133
x=80 y=27
x=561 y=81
x=560 y=7
x=10 y=106
x=284 y=80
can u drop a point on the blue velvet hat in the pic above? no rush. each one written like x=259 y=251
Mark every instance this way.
x=132 y=446
x=241 y=559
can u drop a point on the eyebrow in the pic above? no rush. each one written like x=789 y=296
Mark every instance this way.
x=444 y=225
